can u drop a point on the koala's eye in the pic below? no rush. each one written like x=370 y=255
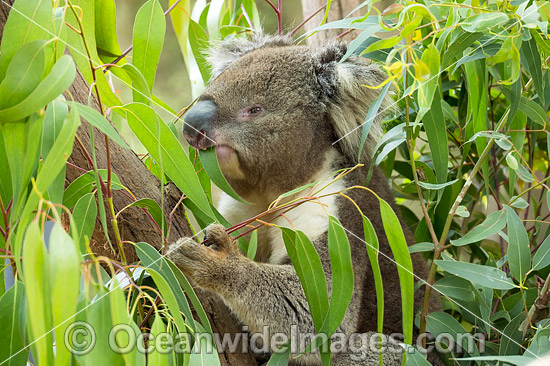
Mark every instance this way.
x=255 y=110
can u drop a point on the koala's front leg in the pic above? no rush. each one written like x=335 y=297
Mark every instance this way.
x=260 y=294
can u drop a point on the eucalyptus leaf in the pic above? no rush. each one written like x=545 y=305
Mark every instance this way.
x=478 y=274
x=490 y=226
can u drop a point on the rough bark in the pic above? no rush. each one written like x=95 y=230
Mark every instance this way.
x=134 y=225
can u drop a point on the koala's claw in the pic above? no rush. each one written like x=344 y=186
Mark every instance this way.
x=201 y=262
x=218 y=239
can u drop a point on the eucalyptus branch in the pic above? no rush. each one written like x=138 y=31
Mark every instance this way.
x=279 y=13
x=540 y=304
x=471 y=177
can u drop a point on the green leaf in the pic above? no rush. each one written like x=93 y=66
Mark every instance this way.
x=487 y=276
x=21 y=143
x=252 y=245
x=161 y=354
x=511 y=161
x=169 y=297
x=12 y=322
x=436 y=186
x=428 y=84
x=57 y=81
x=199 y=42
x=24 y=73
x=60 y=152
x=524 y=174
x=280 y=358
x=510 y=343
x=98 y=121
x=86 y=13
x=56 y=113
x=519 y=255
x=518 y=202
x=534 y=111
x=369 y=119
x=531 y=55
x=342 y=275
x=416 y=359
x=35 y=267
x=157 y=265
x=105 y=29
x=84 y=216
x=400 y=250
x=120 y=316
x=457 y=47
x=456 y=288
x=542 y=256
x=197 y=306
x=490 y=226
x=84 y=184
x=140 y=89
x=64 y=271
x=98 y=316
x=154 y=209
x=421 y=247
x=483 y=22
x=165 y=148
x=434 y=125
x=308 y=266
x=210 y=163
x=27 y=21
x=443 y=323
x=148 y=38
x=373 y=249
x=514 y=360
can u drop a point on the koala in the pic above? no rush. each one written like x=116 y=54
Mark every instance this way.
x=274 y=111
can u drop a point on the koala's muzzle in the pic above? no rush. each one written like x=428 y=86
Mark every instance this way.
x=198 y=124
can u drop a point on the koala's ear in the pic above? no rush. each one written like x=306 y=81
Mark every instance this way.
x=222 y=54
x=348 y=97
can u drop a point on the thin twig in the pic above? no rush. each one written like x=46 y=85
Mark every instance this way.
x=307 y=20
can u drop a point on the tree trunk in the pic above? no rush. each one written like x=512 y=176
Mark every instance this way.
x=134 y=224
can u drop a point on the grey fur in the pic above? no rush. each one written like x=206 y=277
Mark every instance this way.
x=309 y=100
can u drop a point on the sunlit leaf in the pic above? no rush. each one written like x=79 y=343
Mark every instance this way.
x=84 y=216
x=166 y=150
x=101 y=123
x=27 y=21
x=484 y=21
x=148 y=38
x=57 y=81
x=64 y=271
x=37 y=290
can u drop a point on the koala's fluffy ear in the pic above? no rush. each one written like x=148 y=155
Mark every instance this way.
x=348 y=98
x=224 y=53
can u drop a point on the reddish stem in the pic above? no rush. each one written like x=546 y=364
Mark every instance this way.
x=307 y=20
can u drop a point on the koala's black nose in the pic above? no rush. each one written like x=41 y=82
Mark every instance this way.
x=198 y=119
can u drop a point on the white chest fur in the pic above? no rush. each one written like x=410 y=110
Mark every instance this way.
x=310 y=217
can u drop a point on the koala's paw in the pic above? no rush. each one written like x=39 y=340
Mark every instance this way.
x=206 y=264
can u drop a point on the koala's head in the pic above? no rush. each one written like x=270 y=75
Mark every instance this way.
x=274 y=110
